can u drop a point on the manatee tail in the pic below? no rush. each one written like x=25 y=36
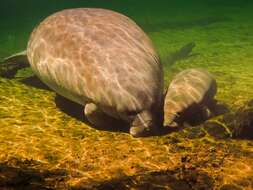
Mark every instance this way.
x=9 y=66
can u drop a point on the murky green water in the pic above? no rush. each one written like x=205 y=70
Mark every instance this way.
x=45 y=143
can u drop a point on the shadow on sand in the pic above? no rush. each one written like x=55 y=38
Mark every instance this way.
x=17 y=174
x=176 y=179
x=77 y=111
x=71 y=108
x=35 y=82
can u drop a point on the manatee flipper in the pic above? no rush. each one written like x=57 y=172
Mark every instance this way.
x=9 y=66
x=17 y=57
x=100 y=119
x=144 y=125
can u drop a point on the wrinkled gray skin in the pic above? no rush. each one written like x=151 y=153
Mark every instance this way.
x=189 y=87
x=102 y=60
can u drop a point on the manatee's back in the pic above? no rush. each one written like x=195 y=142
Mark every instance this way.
x=97 y=55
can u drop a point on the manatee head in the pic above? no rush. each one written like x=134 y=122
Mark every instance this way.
x=147 y=122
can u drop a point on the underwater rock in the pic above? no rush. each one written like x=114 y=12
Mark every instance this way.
x=240 y=123
x=216 y=130
x=237 y=125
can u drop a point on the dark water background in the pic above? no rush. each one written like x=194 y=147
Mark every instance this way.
x=18 y=18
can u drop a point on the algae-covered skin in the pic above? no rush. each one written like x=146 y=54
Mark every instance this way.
x=102 y=60
x=188 y=88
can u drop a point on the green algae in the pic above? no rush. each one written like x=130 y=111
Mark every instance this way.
x=50 y=148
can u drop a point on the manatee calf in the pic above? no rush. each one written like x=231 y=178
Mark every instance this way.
x=190 y=89
x=102 y=60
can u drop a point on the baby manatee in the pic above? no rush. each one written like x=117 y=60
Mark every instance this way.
x=191 y=91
